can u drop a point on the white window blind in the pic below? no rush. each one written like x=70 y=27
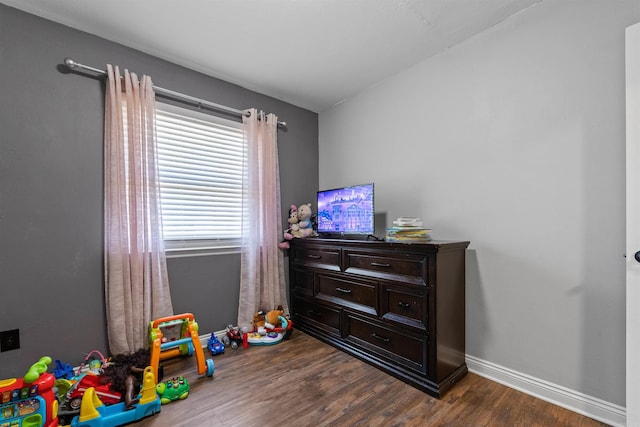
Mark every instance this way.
x=200 y=167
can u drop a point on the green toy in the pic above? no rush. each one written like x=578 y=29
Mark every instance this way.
x=177 y=388
x=37 y=369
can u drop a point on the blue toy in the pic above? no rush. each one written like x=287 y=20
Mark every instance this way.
x=63 y=370
x=214 y=345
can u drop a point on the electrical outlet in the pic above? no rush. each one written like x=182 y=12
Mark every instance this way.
x=10 y=340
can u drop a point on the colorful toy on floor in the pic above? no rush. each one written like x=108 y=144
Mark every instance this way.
x=170 y=332
x=113 y=381
x=270 y=328
x=214 y=345
x=177 y=388
x=29 y=401
x=187 y=342
x=233 y=337
x=93 y=413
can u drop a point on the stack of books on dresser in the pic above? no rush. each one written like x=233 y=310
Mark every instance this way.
x=408 y=230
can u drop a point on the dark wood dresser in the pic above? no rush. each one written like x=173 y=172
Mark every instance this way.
x=399 y=307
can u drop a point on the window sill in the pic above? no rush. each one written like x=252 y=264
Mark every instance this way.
x=184 y=249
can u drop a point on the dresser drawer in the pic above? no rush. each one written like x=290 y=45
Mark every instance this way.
x=320 y=316
x=315 y=256
x=404 y=305
x=360 y=295
x=397 y=346
x=301 y=281
x=409 y=267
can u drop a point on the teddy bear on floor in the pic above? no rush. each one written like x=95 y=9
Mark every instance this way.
x=259 y=322
x=273 y=318
x=264 y=322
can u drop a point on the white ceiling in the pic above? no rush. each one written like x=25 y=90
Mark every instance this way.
x=311 y=53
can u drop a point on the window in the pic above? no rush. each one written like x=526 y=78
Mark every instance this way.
x=200 y=167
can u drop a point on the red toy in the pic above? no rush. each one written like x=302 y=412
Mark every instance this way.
x=103 y=391
x=29 y=401
x=234 y=337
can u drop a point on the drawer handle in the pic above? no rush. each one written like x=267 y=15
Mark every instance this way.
x=378 y=337
x=314 y=256
x=344 y=291
x=404 y=304
x=379 y=264
x=315 y=313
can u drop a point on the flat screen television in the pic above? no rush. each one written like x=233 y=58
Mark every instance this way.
x=346 y=212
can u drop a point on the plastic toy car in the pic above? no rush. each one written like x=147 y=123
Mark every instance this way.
x=233 y=332
x=233 y=337
x=214 y=345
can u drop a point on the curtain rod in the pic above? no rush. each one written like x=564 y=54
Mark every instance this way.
x=71 y=64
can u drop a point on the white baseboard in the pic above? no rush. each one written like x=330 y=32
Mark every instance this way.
x=575 y=401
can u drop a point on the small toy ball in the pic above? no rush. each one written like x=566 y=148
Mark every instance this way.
x=177 y=388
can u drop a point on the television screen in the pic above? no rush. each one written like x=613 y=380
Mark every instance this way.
x=346 y=211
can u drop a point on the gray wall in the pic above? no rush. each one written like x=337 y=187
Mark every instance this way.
x=51 y=196
x=514 y=140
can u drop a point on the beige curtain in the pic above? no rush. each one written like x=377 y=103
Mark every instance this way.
x=262 y=283
x=136 y=283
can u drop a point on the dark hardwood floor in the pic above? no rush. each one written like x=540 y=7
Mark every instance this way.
x=303 y=382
